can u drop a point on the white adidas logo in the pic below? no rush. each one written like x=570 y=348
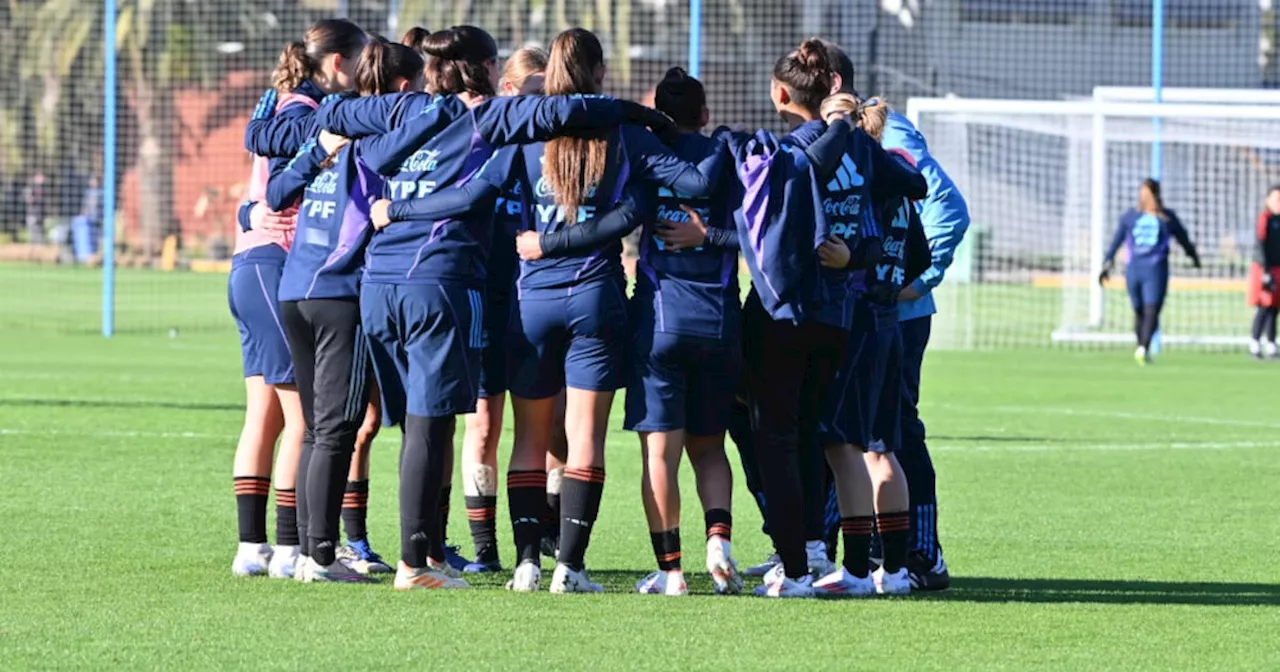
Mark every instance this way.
x=847 y=176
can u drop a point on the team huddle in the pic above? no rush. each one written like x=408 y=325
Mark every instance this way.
x=427 y=232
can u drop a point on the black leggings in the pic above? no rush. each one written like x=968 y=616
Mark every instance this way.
x=1145 y=323
x=1265 y=320
x=331 y=364
x=790 y=370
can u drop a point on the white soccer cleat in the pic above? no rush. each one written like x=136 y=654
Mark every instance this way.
x=764 y=567
x=284 y=562
x=251 y=560
x=892 y=583
x=1141 y=356
x=526 y=579
x=841 y=583
x=338 y=572
x=566 y=580
x=663 y=583
x=444 y=568
x=1269 y=349
x=722 y=567
x=819 y=563
x=426 y=578
x=777 y=584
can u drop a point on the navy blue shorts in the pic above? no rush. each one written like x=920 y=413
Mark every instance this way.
x=886 y=428
x=425 y=342
x=251 y=293
x=849 y=413
x=494 y=376
x=579 y=341
x=1147 y=287
x=681 y=382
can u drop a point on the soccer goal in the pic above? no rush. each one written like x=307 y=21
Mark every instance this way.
x=1046 y=183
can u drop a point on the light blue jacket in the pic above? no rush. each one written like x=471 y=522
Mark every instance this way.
x=944 y=213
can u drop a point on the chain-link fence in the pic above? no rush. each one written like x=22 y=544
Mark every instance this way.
x=190 y=72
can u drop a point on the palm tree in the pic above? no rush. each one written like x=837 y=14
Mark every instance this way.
x=161 y=44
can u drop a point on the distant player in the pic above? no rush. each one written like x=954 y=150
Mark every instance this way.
x=686 y=353
x=1263 y=274
x=1145 y=232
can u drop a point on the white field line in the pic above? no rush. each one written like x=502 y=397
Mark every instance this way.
x=1119 y=415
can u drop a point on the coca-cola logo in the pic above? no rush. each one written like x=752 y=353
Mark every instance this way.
x=850 y=206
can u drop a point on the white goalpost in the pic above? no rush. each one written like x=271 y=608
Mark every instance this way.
x=1046 y=182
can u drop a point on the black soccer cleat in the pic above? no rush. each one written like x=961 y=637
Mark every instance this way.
x=926 y=575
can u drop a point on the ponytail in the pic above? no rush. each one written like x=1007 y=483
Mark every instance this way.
x=574 y=165
x=458 y=61
x=808 y=73
x=300 y=60
x=294 y=68
x=870 y=115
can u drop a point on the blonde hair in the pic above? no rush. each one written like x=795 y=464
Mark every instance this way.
x=522 y=64
x=573 y=165
x=870 y=115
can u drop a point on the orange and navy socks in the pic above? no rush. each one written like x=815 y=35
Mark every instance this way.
x=286 y=517
x=482 y=515
x=856 y=531
x=666 y=548
x=895 y=530
x=719 y=524
x=355 y=510
x=526 y=499
x=251 y=507
x=579 y=507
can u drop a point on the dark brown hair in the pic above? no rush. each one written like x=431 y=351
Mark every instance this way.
x=1153 y=185
x=681 y=97
x=382 y=63
x=300 y=60
x=572 y=165
x=807 y=74
x=456 y=61
x=844 y=66
x=414 y=39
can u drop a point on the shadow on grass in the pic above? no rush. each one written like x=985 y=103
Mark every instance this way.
x=1003 y=439
x=986 y=589
x=121 y=403
x=990 y=589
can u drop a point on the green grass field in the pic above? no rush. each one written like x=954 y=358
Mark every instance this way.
x=1095 y=515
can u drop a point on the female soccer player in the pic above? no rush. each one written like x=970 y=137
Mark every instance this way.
x=866 y=391
x=686 y=353
x=318 y=294
x=796 y=319
x=1145 y=232
x=321 y=63
x=1262 y=278
x=569 y=329
x=422 y=301
x=522 y=74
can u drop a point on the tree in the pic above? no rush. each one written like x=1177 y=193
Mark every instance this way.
x=160 y=44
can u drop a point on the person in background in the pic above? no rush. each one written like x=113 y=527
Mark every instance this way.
x=1145 y=231
x=1263 y=273
x=86 y=226
x=33 y=197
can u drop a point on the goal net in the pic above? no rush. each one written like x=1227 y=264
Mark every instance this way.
x=1047 y=182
